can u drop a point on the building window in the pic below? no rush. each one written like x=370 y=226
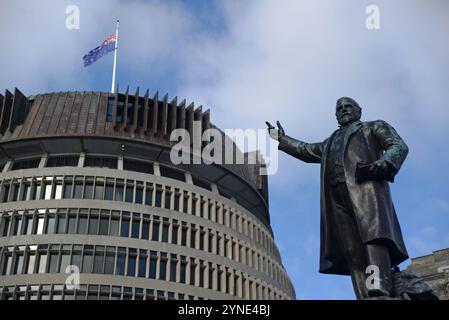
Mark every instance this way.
x=68 y=187
x=173 y=264
x=145 y=226
x=158 y=197
x=93 y=221
x=201 y=183
x=182 y=273
x=172 y=173
x=99 y=188
x=7 y=263
x=109 y=191
x=76 y=256
x=62 y=161
x=109 y=261
x=31 y=260
x=119 y=188
x=155 y=231
x=78 y=187
x=163 y=266
x=100 y=162
x=25 y=164
x=165 y=229
x=89 y=188
x=192 y=271
x=99 y=259
x=142 y=263
x=132 y=257
x=129 y=195
x=104 y=223
x=153 y=265
x=138 y=166
x=37 y=186
x=115 y=221
x=61 y=221
x=87 y=259
x=42 y=259
x=149 y=194
x=139 y=192
x=65 y=259
x=174 y=234
x=51 y=223
x=124 y=229
x=135 y=226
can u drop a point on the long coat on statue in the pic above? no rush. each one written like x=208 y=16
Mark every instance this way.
x=372 y=205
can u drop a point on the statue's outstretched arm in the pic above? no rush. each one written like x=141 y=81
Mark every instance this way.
x=307 y=152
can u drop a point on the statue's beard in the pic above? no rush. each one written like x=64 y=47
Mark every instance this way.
x=347 y=119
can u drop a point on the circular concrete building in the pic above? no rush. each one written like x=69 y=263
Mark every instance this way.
x=91 y=206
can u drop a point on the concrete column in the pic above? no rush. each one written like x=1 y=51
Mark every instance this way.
x=188 y=178
x=223 y=279
x=214 y=242
x=170 y=231
x=242 y=252
x=231 y=282
x=246 y=285
x=236 y=253
x=43 y=160
x=158 y=266
x=214 y=188
x=197 y=237
x=197 y=272
x=156 y=169
x=206 y=239
x=206 y=274
x=212 y=212
x=238 y=289
x=8 y=166
x=120 y=162
x=187 y=265
x=253 y=289
x=188 y=238
x=81 y=159
x=214 y=277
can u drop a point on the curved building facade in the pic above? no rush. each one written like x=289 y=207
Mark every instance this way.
x=92 y=208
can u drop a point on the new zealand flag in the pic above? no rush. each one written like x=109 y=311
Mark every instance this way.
x=107 y=46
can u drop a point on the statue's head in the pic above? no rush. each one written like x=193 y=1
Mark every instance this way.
x=347 y=110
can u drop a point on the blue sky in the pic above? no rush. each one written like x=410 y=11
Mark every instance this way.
x=251 y=61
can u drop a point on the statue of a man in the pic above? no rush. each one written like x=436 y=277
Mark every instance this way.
x=359 y=227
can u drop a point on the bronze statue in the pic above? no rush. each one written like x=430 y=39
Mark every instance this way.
x=359 y=226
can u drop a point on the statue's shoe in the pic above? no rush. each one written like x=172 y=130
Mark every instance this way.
x=380 y=292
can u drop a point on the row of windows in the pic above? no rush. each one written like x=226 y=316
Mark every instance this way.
x=138 y=192
x=139 y=226
x=88 y=292
x=132 y=262
x=106 y=162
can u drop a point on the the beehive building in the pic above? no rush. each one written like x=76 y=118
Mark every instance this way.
x=86 y=184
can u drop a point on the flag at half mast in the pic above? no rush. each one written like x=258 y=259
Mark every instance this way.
x=107 y=46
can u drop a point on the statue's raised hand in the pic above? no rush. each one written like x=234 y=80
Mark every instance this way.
x=275 y=134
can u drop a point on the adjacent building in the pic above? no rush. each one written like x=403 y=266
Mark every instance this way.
x=87 y=185
x=434 y=270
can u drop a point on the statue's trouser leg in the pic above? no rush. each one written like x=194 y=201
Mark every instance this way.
x=349 y=239
x=378 y=255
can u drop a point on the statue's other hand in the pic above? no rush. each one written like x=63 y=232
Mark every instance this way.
x=381 y=169
x=274 y=133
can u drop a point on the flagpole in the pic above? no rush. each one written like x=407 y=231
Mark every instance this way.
x=115 y=58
